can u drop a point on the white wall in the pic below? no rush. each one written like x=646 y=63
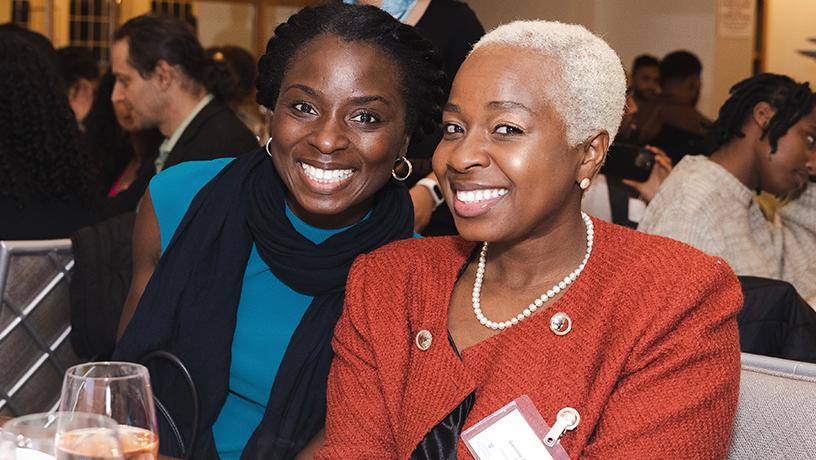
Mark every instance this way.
x=789 y=24
x=633 y=27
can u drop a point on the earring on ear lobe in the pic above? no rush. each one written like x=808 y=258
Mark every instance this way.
x=584 y=184
x=268 y=152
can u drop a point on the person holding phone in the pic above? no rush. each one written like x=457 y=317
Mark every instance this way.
x=764 y=140
x=631 y=338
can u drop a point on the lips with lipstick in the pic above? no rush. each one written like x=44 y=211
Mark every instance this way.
x=476 y=201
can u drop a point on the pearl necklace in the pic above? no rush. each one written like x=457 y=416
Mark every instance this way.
x=527 y=312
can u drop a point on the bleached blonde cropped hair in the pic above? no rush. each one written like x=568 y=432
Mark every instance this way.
x=591 y=93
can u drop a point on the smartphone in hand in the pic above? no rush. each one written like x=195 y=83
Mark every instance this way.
x=628 y=161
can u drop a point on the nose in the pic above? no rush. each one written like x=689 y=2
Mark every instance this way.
x=467 y=153
x=329 y=135
x=118 y=94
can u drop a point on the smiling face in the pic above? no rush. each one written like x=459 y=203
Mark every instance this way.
x=785 y=172
x=337 y=128
x=646 y=82
x=504 y=163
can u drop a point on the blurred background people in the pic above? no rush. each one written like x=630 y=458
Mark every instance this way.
x=645 y=78
x=80 y=71
x=242 y=65
x=166 y=79
x=671 y=120
x=764 y=140
x=120 y=151
x=46 y=181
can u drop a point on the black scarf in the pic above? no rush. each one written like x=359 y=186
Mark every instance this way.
x=189 y=306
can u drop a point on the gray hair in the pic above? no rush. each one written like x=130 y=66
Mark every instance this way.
x=591 y=93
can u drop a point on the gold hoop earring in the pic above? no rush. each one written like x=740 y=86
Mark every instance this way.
x=400 y=160
x=268 y=152
x=584 y=184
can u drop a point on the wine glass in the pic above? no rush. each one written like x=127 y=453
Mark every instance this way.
x=8 y=448
x=69 y=436
x=122 y=392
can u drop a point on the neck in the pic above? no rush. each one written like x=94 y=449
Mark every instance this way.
x=178 y=108
x=547 y=256
x=737 y=157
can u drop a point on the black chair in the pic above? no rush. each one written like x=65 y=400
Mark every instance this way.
x=776 y=321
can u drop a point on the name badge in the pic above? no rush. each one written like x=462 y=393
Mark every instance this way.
x=517 y=431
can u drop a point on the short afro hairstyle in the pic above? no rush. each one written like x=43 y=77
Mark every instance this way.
x=644 y=60
x=421 y=72
x=679 y=65
x=591 y=93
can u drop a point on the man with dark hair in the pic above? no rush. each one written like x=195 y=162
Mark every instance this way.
x=671 y=121
x=645 y=78
x=164 y=75
x=81 y=74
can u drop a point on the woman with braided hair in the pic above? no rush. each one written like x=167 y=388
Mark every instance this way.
x=247 y=259
x=763 y=140
x=46 y=188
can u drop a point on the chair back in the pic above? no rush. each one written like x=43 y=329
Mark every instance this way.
x=775 y=416
x=35 y=349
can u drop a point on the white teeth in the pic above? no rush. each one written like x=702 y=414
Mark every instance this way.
x=326 y=176
x=480 y=195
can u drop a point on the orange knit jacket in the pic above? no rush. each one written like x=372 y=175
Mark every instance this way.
x=652 y=362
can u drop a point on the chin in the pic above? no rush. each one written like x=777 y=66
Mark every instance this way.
x=484 y=231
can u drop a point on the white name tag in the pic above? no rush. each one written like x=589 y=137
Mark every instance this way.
x=514 y=432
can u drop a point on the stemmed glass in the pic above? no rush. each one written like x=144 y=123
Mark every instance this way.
x=122 y=392
x=68 y=436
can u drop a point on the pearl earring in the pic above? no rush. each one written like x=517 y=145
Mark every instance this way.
x=584 y=184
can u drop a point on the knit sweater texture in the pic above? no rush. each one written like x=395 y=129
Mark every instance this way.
x=702 y=204
x=651 y=364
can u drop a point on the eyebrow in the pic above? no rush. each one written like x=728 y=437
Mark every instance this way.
x=491 y=105
x=366 y=99
x=508 y=105
x=356 y=100
x=304 y=88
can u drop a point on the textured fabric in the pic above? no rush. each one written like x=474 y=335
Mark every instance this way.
x=775 y=417
x=651 y=363
x=196 y=288
x=702 y=204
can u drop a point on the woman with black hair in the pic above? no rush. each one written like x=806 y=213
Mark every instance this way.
x=764 y=140
x=46 y=190
x=247 y=259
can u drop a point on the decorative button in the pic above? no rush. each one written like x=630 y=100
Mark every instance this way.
x=423 y=340
x=560 y=323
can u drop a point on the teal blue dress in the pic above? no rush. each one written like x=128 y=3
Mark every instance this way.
x=268 y=311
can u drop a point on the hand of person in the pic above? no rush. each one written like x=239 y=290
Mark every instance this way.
x=662 y=167
x=423 y=205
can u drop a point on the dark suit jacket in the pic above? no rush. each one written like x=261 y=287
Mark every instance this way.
x=215 y=132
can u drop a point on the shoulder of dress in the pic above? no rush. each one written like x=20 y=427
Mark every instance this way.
x=190 y=172
x=652 y=258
